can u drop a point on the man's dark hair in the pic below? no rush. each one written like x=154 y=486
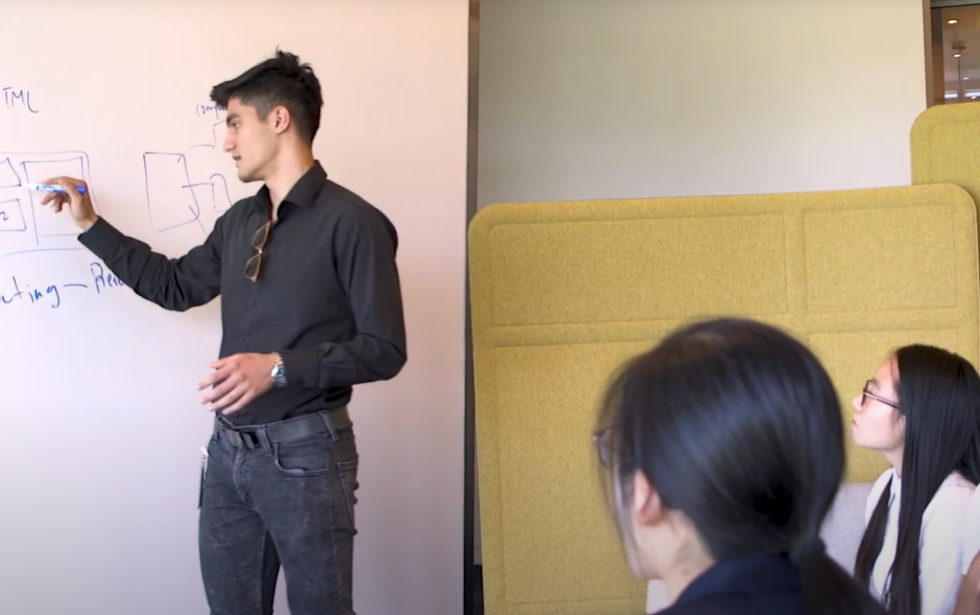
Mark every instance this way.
x=280 y=80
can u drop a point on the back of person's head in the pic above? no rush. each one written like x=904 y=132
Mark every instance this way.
x=928 y=399
x=733 y=429
x=278 y=81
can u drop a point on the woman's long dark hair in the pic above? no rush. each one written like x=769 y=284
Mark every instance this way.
x=939 y=393
x=737 y=425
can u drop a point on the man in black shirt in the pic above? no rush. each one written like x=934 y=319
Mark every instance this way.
x=311 y=305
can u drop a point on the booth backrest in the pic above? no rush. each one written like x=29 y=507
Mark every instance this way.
x=563 y=293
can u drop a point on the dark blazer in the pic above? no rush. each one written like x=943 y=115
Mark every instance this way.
x=753 y=585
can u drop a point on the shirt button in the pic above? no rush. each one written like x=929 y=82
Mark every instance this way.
x=253 y=302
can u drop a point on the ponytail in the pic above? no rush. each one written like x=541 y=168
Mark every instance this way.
x=828 y=589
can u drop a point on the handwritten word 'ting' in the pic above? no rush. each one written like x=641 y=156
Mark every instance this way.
x=17 y=99
x=51 y=294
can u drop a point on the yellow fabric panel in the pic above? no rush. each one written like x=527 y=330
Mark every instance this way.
x=945 y=147
x=563 y=293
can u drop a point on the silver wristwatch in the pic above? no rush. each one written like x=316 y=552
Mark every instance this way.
x=279 y=373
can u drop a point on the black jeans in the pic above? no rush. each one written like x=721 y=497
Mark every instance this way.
x=288 y=504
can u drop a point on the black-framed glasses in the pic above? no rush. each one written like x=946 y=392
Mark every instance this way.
x=866 y=394
x=603 y=444
x=253 y=266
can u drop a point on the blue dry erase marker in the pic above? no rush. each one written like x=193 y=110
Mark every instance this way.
x=53 y=188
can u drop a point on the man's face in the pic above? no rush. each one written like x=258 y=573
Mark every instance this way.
x=251 y=141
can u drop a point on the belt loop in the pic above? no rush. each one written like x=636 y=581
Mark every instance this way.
x=330 y=426
x=262 y=435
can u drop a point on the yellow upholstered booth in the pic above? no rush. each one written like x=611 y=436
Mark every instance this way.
x=945 y=145
x=562 y=293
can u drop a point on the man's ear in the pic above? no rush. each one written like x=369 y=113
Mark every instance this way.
x=647 y=505
x=280 y=119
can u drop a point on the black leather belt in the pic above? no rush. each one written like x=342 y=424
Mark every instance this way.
x=259 y=436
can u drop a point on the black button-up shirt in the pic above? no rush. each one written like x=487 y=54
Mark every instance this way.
x=328 y=298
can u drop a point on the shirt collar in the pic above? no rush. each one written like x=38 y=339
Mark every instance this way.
x=896 y=489
x=760 y=574
x=303 y=192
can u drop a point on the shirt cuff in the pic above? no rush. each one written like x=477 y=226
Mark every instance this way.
x=102 y=238
x=301 y=367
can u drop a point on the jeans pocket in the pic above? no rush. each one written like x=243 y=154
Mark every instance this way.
x=205 y=459
x=348 y=481
x=303 y=458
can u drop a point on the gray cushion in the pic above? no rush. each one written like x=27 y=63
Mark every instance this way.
x=844 y=526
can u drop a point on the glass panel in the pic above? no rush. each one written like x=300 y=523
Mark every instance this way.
x=956 y=54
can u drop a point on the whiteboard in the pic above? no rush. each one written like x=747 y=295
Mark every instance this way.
x=102 y=424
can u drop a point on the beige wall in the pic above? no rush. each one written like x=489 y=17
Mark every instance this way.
x=618 y=98
x=622 y=98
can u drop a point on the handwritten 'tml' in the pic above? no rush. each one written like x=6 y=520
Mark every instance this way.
x=14 y=99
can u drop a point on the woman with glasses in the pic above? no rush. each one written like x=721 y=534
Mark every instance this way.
x=921 y=411
x=724 y=447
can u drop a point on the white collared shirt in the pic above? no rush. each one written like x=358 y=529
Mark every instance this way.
x=940 y=541
x=971 y=532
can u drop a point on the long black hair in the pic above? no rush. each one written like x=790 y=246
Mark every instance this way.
x=939 y=395
x=737 y=425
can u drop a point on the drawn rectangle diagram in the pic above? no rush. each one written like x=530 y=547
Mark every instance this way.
x=36 y=168
x=210 y=189
x=8 y=176
x=170 y=197
x=221 y=194
x=11 y=216
x=11 y=210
